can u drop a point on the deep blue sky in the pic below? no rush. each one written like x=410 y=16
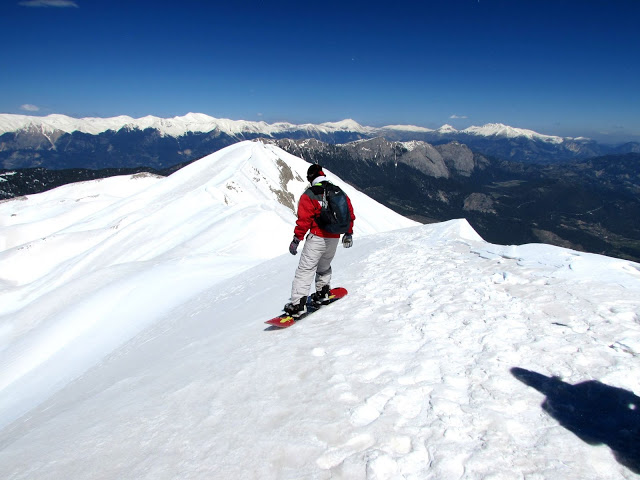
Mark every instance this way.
x=558 y=67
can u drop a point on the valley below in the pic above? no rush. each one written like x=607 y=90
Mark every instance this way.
x=590 y=205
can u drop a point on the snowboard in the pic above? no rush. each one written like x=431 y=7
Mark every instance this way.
x=284 y=320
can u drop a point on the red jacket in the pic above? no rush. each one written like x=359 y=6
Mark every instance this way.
x=309 y=207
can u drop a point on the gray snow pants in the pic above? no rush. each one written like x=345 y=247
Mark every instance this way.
x=316 y=257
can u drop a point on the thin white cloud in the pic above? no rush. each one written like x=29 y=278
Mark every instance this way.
x=49 y=3
x=27 y=107
x=454 y=116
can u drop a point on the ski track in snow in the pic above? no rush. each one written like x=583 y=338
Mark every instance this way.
x=408 y=377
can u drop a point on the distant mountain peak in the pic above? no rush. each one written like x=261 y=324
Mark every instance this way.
x=446 y=128
x=502 y=130
x=347 y=125
x=407 y=128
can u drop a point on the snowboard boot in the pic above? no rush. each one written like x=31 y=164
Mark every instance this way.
x=321 y=297
x=296 y=309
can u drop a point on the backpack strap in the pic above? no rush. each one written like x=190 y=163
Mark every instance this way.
x=318 y=189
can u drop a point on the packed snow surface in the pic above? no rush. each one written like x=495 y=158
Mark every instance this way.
x=132 y=342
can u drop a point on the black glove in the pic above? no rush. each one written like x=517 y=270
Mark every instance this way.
x=347 y=240
x=293 y=247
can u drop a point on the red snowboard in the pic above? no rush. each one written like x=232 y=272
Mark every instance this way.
x=285 y=320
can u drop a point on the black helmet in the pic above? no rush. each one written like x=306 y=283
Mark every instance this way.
x=314 y=172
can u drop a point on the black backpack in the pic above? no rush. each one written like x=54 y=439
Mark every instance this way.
x=334 y=216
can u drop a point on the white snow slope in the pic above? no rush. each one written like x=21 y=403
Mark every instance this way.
x=132 y=342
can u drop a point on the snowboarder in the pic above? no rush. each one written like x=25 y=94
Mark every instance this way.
x=320 y=246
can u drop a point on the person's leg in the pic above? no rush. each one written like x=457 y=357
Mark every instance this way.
x=312 y=253
x=323 y=271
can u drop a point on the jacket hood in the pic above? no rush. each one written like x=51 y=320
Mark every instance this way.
x=319 y=179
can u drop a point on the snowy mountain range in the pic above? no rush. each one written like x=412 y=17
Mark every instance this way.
x=58 y=141
x=174 y=127
x=132 y=342
x=201 y=123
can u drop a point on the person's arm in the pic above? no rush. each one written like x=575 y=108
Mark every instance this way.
x=307 y=211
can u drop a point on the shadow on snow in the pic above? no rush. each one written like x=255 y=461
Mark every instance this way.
x=595 y=412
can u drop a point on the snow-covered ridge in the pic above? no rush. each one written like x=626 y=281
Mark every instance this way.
x=447 y=129
x=407 y=128
x=201 y=123
x=412 y=145
x=501 y=130
x=216 y=217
